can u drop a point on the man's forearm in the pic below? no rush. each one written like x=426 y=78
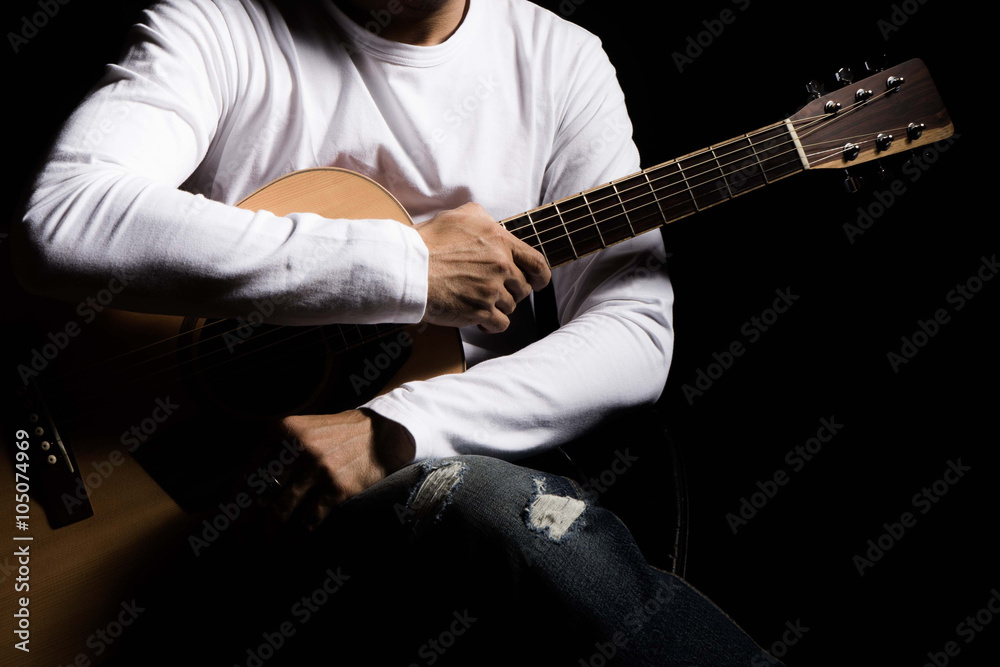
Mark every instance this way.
x=611 y=356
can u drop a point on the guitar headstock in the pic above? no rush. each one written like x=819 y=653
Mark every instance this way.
x=891 y=111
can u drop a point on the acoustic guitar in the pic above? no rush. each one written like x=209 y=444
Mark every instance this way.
x=104 y=403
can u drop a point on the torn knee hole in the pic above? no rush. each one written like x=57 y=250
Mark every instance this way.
x=552 y=515
x=433 y=494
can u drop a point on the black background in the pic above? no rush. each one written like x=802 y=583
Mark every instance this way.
x=825 y=358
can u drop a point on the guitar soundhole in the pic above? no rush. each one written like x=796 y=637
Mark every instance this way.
x=258 y=372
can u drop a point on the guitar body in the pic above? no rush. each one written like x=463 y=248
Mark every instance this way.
x=133 y=421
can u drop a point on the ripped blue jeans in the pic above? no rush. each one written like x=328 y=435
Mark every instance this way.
x=462 y=561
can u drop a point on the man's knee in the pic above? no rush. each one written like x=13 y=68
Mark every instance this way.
x=489 y=491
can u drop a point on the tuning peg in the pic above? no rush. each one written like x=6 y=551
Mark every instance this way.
x=844 y=76
x=876 y=64
x=852 y=183
x=815 y=89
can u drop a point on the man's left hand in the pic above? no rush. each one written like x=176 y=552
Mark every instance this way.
x=343 y=454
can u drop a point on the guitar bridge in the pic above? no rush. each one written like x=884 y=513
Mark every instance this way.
x=56 y=482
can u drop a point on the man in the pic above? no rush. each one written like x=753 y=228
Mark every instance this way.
x=445 y=102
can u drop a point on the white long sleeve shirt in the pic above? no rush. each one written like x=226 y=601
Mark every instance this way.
x=213 y=99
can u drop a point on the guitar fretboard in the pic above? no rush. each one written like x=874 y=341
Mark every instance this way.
x=582 y=224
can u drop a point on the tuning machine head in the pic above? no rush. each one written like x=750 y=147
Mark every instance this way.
x=852 y=183
x=876 y=64
x=844 y=76
x=915 y=130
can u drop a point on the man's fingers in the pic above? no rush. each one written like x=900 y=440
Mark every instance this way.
x=291 y=494
x=506 y=303
x=518 y=288
x=532 y=264
x=315 y=506
x=497 y=323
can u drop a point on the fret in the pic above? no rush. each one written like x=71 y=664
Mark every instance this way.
x=777 y=152
x=687 y=186
x=352 y=334
x=538 y=239
x=578 y=220
x=704 y=177
x=609 y=216
x=757 y=157
x=590 y=221
x=553 y=241
x=652 y=191
x=673 y=194
x=522 y=228
x=340 y=330
x=569 y=237
x=596 y=227
x=641 y=206
x=625 y=210
x=722 y=172
x=741 y=169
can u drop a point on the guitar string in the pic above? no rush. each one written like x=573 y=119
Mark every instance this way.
x=215 y=368
x=775 y=126
x=362 y=338
x=814 y=120
x=389 y=328
x=274 y=328
x=653 y=169
x=656 y=201
x=687 y=192
x=818 y=119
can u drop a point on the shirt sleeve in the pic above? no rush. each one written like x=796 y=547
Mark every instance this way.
x=614 y=346
x=107 y=203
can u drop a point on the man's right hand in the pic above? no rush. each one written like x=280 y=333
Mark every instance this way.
x=478 y=270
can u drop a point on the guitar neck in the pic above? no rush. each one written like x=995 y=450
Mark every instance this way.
x=582 y=224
